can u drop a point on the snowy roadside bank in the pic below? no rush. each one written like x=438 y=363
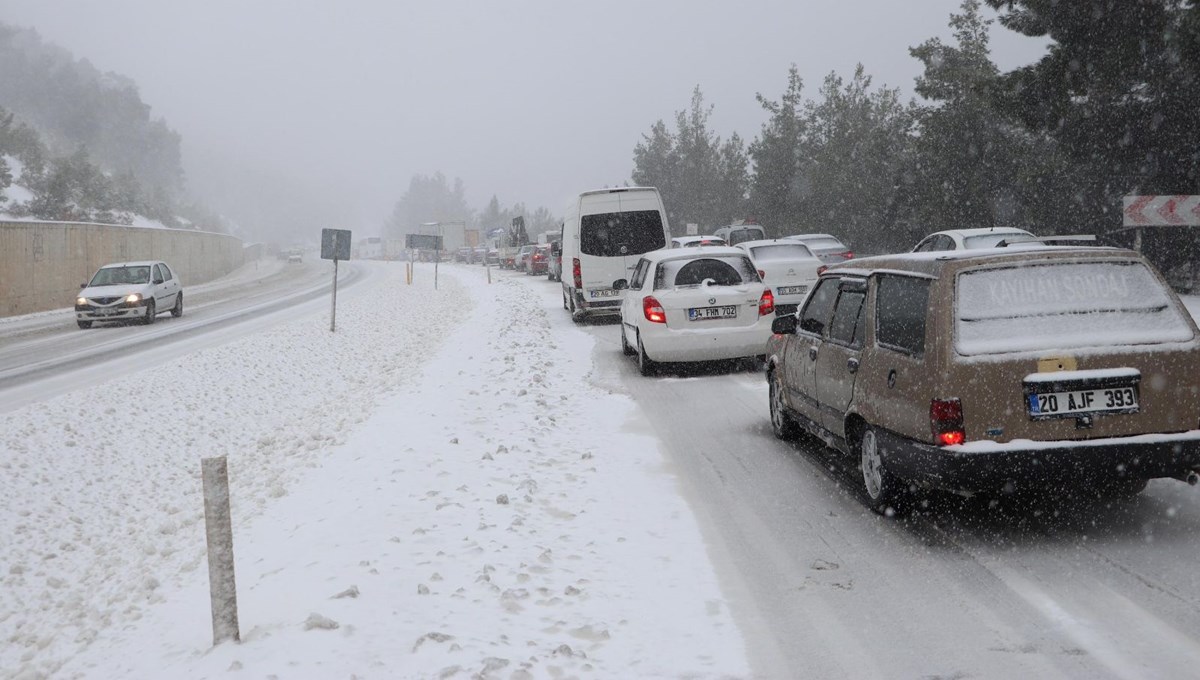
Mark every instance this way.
x=495 y=516
x=100 y=510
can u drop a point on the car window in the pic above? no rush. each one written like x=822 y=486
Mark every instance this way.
x=780 y=251
x=639 y=274
x=158 y=275
x=167 y=275
x=846 y=318
x=117 y=276
x=700 y=271
x=1064 y=305
x=724 y=270
x=815 y=315
x=824 y=243
x=926 y=246
x=634 y=232
x=901 y=303
x=744 y=234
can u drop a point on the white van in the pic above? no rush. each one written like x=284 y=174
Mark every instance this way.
x=739 y=233
x=604 y=234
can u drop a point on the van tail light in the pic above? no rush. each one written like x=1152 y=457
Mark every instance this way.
x=946 y=422
x=848 y=255
x=575 y=272
x=653 y=310
x=766 y=303
x=762 y=274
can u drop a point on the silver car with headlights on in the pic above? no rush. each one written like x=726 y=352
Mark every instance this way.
x=126 y=291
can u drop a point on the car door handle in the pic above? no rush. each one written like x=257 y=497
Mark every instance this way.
x=812 y=353
x=852 y=365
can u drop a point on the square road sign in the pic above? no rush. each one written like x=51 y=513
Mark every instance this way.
x=335 y=244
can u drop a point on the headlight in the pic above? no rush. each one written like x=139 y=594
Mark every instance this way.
x=80 y=302
x=131 y=299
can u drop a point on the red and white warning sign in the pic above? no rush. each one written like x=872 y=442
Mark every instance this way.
x=1162 y=211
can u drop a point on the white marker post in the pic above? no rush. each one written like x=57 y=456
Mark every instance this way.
x=222 y=588
x=333 y=307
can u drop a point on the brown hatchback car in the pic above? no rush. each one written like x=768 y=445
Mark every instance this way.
x=993 y=370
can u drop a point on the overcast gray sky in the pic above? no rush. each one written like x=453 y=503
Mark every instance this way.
x=529 y=100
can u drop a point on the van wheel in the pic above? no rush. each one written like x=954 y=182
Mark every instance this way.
x=564 y=295
x=576 y=314
x=884 y=491
x=626 y=348
x=84 y=324
x=646 y=366
x=781 y=423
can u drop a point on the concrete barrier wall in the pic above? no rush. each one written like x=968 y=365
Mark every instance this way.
x=43 y=263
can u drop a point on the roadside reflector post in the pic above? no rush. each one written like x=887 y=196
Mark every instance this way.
x=219 y=533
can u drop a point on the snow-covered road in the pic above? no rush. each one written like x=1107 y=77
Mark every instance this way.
x=436 y=490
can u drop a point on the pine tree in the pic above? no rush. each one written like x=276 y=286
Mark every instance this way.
x=775 y=189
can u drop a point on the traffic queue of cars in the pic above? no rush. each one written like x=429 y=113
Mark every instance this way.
x=988 y=361
x=985 y=361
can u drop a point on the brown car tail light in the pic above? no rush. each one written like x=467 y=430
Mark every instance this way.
x=766 y=303
x=575 y=271
x=653 y=310
x=821 y=269
x=946 y=422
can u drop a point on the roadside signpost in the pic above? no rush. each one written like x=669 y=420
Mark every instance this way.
x=1162 y=211
x=335 y=245
x=426 y=242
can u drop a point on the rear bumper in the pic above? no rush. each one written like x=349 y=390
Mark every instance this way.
x=601 y=307
x=707 y=344
x=989 y=466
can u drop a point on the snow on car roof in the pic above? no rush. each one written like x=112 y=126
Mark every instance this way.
x=140 y=263
x=693 y=253
x=932 y=263
x=980 y=231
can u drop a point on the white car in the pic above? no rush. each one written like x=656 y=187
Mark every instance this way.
x=129 y=290
x=694 y=241
x=694 y=304
x=827 y=247
x=787 y=266
x=967 y=239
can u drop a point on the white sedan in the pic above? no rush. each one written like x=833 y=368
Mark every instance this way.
x=129 y=291
x=968 y=239
x=787 y=266
x=695 y=304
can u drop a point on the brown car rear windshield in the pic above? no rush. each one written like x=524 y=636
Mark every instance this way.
x=1064 y=305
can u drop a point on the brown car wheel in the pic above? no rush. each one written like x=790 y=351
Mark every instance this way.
x=885 y=493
